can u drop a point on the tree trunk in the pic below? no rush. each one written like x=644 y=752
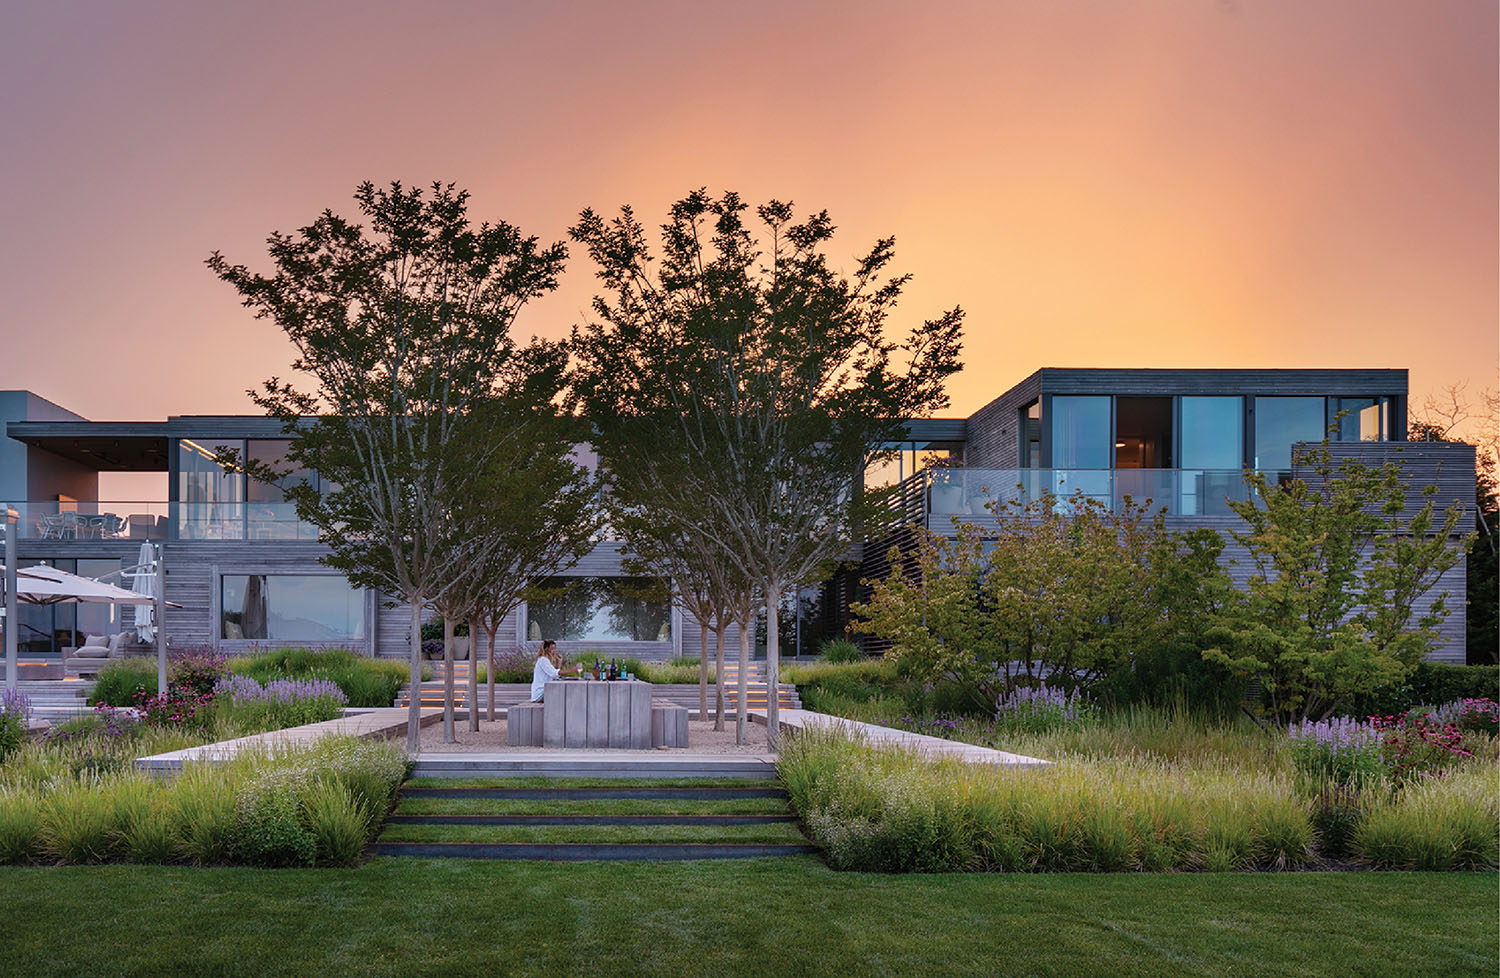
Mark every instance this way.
x=490 y=669
x=414 y=701
x=773 y=653
x=719 y=674
x=474 y=675
x=742 y=713
x=702 y=670
x=448 y=736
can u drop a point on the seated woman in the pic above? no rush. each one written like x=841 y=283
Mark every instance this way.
x=546 y=670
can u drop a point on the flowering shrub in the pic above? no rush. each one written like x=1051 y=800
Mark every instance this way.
x=1416 y=745
x=1040 y=709
x=1473 y=715
x=280 y=702
x=15 y=716
x=195 y=670
x=1340 y=751
x=176 y=708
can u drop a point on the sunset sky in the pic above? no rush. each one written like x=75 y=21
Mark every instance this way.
x=1189 y=183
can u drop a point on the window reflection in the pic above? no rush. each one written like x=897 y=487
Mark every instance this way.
x=292 y=607
x=1280 y=422
x=601 y=609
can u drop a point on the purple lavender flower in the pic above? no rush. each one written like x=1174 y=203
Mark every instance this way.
x=16 y=703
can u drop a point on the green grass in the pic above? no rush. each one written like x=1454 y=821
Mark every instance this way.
x=774 y=832
x=770 y=918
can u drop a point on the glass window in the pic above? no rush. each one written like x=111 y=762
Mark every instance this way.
x=1362 y=418
x=1280 y=422
x=292 y=608
x=210 y=497
x=268 y=513
x=601 y=609
x=1080 y=432
x=1212 y=433
x=1031 y=435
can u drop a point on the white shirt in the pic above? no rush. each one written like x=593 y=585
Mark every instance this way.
x=542 y=673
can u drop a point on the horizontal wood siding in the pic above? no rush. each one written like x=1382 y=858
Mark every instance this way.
x=993 y=436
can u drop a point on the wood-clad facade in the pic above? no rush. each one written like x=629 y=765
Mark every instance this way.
x=997 y=438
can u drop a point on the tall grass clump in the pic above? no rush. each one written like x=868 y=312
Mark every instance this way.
x=1435 y=824
x=78 y=824
x=20 y=825
x=891 y=810
x=841 y=650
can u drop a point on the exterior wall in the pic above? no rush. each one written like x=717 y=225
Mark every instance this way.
x=28 y=473
x=994 y=434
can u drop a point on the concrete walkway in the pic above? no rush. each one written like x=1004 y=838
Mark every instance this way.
x=387 y=723
x=793 y=721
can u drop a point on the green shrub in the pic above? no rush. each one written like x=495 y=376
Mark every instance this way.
x=366 y=681
x=1430 y=682
x=20 y=826
x=841 y=650
x=120 y=680
x=268 y=828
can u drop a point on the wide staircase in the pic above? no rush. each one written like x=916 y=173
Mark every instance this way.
x=580 y=820
x=683 y=694
x=56 y=700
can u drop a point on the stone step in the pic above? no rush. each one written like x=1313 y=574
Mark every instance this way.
x=582 y=851
x=596 y=764
x=588 y=819
x=599 y=794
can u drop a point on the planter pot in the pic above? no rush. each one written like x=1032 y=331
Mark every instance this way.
x=460 y=648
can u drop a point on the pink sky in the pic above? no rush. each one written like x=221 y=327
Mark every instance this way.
x=1263 y=184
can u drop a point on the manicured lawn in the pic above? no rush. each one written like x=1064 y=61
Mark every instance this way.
x=766 y=918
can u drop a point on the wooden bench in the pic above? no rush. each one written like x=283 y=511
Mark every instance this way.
x=669 y=724
x=523 y=725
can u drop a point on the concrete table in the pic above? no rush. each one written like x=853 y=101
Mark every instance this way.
x=592 y=713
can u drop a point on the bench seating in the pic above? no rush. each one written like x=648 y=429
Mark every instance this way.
x=669 y=724
x=523 y=725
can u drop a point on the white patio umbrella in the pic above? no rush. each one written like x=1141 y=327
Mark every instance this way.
x=144 y=583
x=48 y=585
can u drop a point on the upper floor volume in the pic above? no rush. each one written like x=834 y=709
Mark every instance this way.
x=1182 y=437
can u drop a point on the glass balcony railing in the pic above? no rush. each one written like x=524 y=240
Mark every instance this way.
x=159 y=520
x=947 y=493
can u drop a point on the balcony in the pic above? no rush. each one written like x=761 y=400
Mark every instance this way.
x=125 y=520
x=934 y=497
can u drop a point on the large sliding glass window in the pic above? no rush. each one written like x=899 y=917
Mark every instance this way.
x=601 y=609
x=1213 y=452
x=1280 y=422
x=1082 y=446
x=210 y=496
x=1213 y=433
x=291 y=608
x=268 y=513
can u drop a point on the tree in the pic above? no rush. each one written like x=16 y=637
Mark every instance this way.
x=402 y=330
x=1336 y=569
x=774 y=370
x=1063 y=590
x=524 y=506
x=1450 y=416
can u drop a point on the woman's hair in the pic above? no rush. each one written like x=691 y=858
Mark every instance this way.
x=547 y=646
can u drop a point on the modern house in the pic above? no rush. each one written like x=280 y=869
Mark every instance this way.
x=247 y=574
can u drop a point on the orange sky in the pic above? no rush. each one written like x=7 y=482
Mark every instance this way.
x=1189 y=183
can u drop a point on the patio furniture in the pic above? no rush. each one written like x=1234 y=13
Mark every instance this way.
x=94 y=654
x=52 y=525
x=593 y=713
x=111 y=525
